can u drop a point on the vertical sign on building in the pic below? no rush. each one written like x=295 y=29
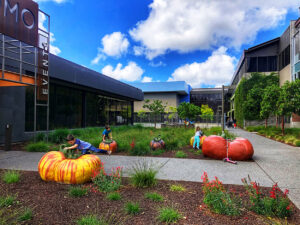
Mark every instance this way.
x=43 y=71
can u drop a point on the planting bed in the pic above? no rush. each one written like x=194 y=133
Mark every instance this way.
x=52 y=204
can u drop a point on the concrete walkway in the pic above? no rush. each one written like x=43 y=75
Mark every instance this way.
x=274 y=162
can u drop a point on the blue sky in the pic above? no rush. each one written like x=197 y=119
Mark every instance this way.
x=199 y=41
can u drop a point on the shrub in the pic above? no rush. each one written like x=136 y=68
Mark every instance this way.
x=169 y=215
x=180 y=154
x=7 y=201
x=77 y=191
x=58 y=136
x=217 y=199
x=297 y=143
x=141 y=148
x=178 y=188
x=132 y=208
x=154 y=196
x=37 y=147
x=274 y=205
x=25 y=215
x=114 y=196
x=107 y=182
x=143 y=175
x=11 y=176
x=40 y=137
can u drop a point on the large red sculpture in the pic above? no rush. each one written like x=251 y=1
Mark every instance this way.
x=239 y=149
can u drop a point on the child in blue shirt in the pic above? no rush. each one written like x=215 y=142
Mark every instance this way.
x=106 y=132
x=83 y=146
x=198 y=134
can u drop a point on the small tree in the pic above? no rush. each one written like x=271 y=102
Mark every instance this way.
x=206 y=112
x=142 y=114
x=156 y=108
x=172 y=112
x=288 y=101
x=269 y=101
x=187 y=110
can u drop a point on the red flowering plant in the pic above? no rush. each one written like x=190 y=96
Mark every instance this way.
x=217 y=198
x=107 y=182
x=276 y=204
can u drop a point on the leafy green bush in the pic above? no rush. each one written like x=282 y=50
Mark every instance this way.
x=143 y=175
x=7 y=201
x=297 y=143
x=77 y=191
x=58 y=136
x=132 y=208
x=114 y=196
x=37 y=147
x=178 y=188
x=154 y=196
x=217 y=199
x=40 y=137
x=180 y=154
x=11 y=176
x=141 y=148
x=169 y=215
x=26 y=214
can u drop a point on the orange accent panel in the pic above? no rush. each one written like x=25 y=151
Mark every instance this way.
x=15 y=77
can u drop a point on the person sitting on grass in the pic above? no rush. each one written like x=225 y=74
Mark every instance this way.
x=106 y=132
x=198 y=134
x=85 y=147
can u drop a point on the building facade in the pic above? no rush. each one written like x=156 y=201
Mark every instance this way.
x=279 y=55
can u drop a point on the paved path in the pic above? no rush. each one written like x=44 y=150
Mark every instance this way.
x=274 y=162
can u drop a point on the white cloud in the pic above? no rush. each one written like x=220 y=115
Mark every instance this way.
x=146 y=79
x=188 y=25
x=131 y=72
x=43 y=25
x=115 y=45
x=215 y=71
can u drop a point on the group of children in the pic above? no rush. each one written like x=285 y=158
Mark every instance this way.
x=85 y=147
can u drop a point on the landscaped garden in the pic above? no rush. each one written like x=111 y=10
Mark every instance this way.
x=292 y=135
x=131 y=140
x=141 y=199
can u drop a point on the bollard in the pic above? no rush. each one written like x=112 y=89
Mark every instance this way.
x=8 y=134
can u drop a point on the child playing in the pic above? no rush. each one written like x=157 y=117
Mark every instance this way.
x=198 y=134
x=106 y=132
x=83 y=146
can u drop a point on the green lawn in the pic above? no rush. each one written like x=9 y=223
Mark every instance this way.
x=135 y=140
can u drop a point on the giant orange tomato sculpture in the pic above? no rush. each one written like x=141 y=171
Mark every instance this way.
x=216 y=147
x=54 y=166
x=108 y=146
x=201 y=140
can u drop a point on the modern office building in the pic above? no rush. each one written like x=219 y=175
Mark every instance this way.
x=174 y=92
x=40 y=91
x=170 y=93
x=279 y=55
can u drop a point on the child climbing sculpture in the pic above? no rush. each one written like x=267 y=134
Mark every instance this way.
x=198 y=134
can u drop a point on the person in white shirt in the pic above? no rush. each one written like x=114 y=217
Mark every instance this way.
x=198 y=134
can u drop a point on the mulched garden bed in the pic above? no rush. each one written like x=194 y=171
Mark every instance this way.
x=51 y=203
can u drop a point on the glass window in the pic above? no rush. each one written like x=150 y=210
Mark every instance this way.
x=251 y=64
x=297 y=47
x=262 y=64
x=272 y=63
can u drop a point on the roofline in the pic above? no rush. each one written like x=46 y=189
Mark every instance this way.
x=297 y=23
x=242 y=58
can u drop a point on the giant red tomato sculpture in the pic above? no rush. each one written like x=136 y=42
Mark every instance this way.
x=238 y=149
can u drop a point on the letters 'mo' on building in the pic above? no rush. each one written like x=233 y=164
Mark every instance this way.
x=19 y=20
